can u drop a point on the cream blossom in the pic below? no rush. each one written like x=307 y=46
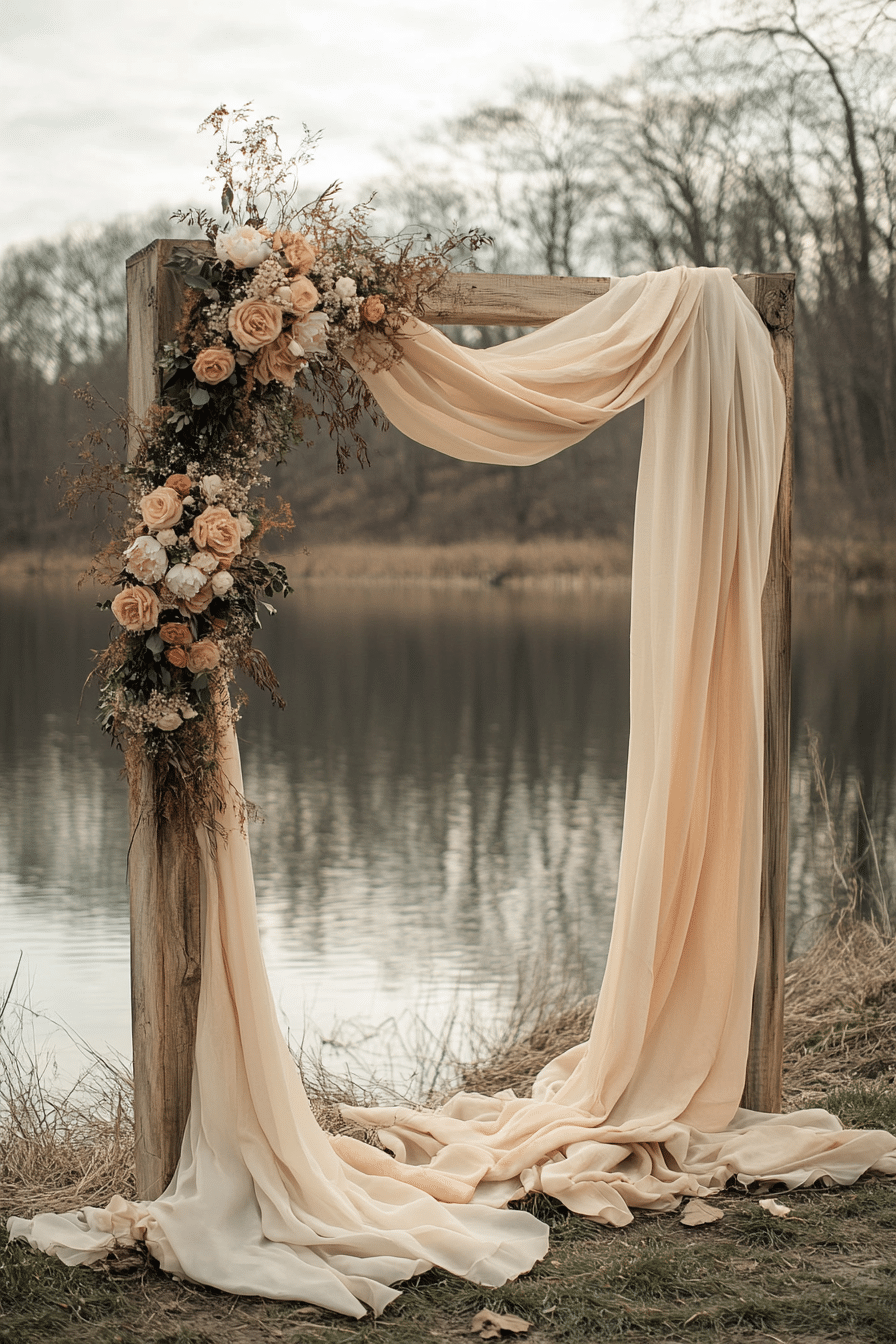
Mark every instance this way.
x=211 y=487
x=345 y=287
x=311 y=333
x=222 y=582
x=168 y=722
x=167 y=537
x=185 y=580
x=243 y=247
x=146 y=559
x=245 y=523
x=205 y=561
x=188 y=713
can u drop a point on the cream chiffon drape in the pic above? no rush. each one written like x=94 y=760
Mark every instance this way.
x=647 y=1110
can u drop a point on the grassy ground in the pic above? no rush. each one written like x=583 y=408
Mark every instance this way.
x=826 y=1272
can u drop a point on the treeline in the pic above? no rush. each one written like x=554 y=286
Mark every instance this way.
x=767 y=144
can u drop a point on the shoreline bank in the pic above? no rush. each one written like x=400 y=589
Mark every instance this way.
x=859 y=567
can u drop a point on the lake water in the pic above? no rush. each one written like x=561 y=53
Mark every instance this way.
x=442 y=797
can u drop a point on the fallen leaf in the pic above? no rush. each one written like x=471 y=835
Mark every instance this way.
x=774 y=1208
x=697 y=1212
x=489 y=1324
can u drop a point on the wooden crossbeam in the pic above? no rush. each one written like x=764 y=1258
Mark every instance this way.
x=165 y=950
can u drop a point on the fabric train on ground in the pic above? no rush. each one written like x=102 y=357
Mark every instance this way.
x=263 y=1201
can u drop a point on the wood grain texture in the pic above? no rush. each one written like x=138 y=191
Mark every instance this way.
x=163 y=877
x=480 y=300
x=165 y=974
x=774 y=299
x=165 y=884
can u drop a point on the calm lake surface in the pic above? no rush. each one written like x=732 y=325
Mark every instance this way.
x=443 y=801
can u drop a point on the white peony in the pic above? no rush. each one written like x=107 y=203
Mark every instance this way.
x=168 y=722
x=146 y=559
x=245 y=523
x=222 y=582
x=311 y=333
x=345 y=287
x=185 y=580
x=211 y=487
x=168 y=537
x=243 y=247
x=205 y=561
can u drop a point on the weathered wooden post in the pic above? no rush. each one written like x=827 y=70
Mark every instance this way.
x=164 y=881
x=163 y=877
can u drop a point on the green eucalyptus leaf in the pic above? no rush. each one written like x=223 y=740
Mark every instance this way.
x=155 y=643
x=199 y=395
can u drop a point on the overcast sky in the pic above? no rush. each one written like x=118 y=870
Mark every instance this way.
x=101 y=100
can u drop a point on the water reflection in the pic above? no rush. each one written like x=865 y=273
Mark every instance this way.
x=443 y=796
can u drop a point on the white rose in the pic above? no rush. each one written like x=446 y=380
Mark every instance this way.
x=205 y=561
x=168 y=537
x=242 y=247
x=168 y=722
x=222 y=582
x=188 y=713
x=146 y=559
x=185 y=580
x=211 y=487
x=345 y=287
x=245 y=523
x=311 y=333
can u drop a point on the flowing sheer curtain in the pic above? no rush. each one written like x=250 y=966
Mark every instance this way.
x=648 y=1109
x=263 y=1201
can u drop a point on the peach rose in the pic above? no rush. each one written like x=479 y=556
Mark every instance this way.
x=213 y=365
x=176 y=657
x=217 y=530
x=373 y=308
x=199 y=601
x=278 y=361
x=175 y=632
x=161 y=508
x=136 y=608
x=304 y=296
x=254 y=323
x=203 y=656
x=181 y=483
x=298 y=251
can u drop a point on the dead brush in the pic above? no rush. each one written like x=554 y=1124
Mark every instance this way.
x=840 y=996
x=60 y=1149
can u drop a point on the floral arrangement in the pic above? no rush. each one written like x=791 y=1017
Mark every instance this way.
x=277 y=318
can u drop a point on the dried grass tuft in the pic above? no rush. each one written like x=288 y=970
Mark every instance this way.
x=61 y=1149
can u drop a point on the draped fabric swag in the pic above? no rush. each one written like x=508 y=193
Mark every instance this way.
x=647 y=1110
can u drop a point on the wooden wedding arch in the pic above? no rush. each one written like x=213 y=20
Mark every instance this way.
x=164 y=880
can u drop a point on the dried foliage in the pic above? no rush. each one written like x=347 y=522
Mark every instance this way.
x=272 y=330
